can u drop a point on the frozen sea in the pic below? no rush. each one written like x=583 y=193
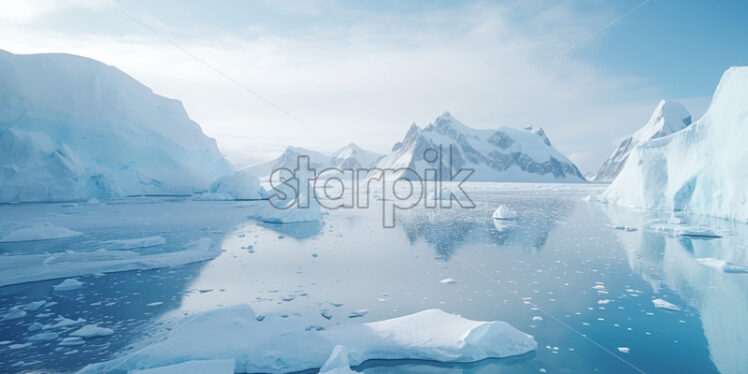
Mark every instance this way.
x=578 y=275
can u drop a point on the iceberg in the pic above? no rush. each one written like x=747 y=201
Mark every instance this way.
x=700 y=169
x=280 y=345
x=72 y=128
x=504 y=213
x=69 y=284
x=663 y=304
x=667 y=118
x=241 y=185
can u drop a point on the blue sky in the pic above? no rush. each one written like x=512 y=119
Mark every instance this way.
x=364 y=71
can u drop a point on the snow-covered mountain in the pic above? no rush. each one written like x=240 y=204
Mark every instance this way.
x=349 y=157
x=701 y=169
x=666 y=119
x=502 y=155
x=74 y=128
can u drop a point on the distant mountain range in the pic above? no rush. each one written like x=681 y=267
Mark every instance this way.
x=349 y=157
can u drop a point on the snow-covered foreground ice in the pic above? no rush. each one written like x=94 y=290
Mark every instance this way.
x=279 y=345
x=562 y=259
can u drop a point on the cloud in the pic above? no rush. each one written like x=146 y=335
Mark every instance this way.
x=364 y=75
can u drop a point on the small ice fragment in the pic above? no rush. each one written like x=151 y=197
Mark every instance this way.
x=623 y=349
x=448 y=281
x=359 y=313
x=537 y=318
x=662 y=304
x=19 y=346
x=504 y=213
x=260 y=318
x=69 y=284
x=604 y=301
x=92 y=331
x=43 y=336
x=93 y=201
x=36 y=326
x=14 y=313
x=326 y=314
x=34 y=305
x=71 y=340
x=337 y=305
x=157 y=303
x=289 y=298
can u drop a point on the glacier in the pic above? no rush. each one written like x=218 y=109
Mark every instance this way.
x=700 y=169
x=667 y=118
x=72 y=128
x=277 y=345
x=502 y=155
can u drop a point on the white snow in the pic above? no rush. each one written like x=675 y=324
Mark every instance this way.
x=69 y=284
x=123 y=244
x=699 y=169
x=504 y=212
x=663 y=304
x=285 y=345
x=193 y=367
x=38 y=232
x=75 y=129
x=92 y=331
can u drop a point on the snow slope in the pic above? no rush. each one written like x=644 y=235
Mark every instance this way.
x=348 y=157
x=702 y=169
x=278 y=345
x=667 y=118
x=72 y=128
x=502 y=155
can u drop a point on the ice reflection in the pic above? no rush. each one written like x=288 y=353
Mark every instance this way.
x=680 y=264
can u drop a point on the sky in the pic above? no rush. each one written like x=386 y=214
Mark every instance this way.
x=261 y=75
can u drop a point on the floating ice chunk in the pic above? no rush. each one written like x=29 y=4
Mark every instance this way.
x=359 y=313
x=36 y=326
x=64 y=322
x=147 y=242
x=337 y=363
x=14 y=313
x=504 y=212
x=696 y=231
x=326 y=314
x=156 y=303
x=193 y=367
x=537 y=318
x=624 y=349
x=45 y=231
x=72 y=340
x=662 y=304
x=19 y=345
x=69 y=284
x=448 y=281
x=43 y=336
x=34 y=305
x=428 y=335
x=92 y=331
x=604 y=301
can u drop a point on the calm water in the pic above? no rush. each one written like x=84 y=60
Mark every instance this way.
x=561 y=272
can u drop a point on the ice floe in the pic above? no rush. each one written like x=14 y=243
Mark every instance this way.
x=285 y=345
x=35 y=267
x=69 y=284
x=663 y=304
x=92 y=331
x=45 y=231
x=124 y=244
